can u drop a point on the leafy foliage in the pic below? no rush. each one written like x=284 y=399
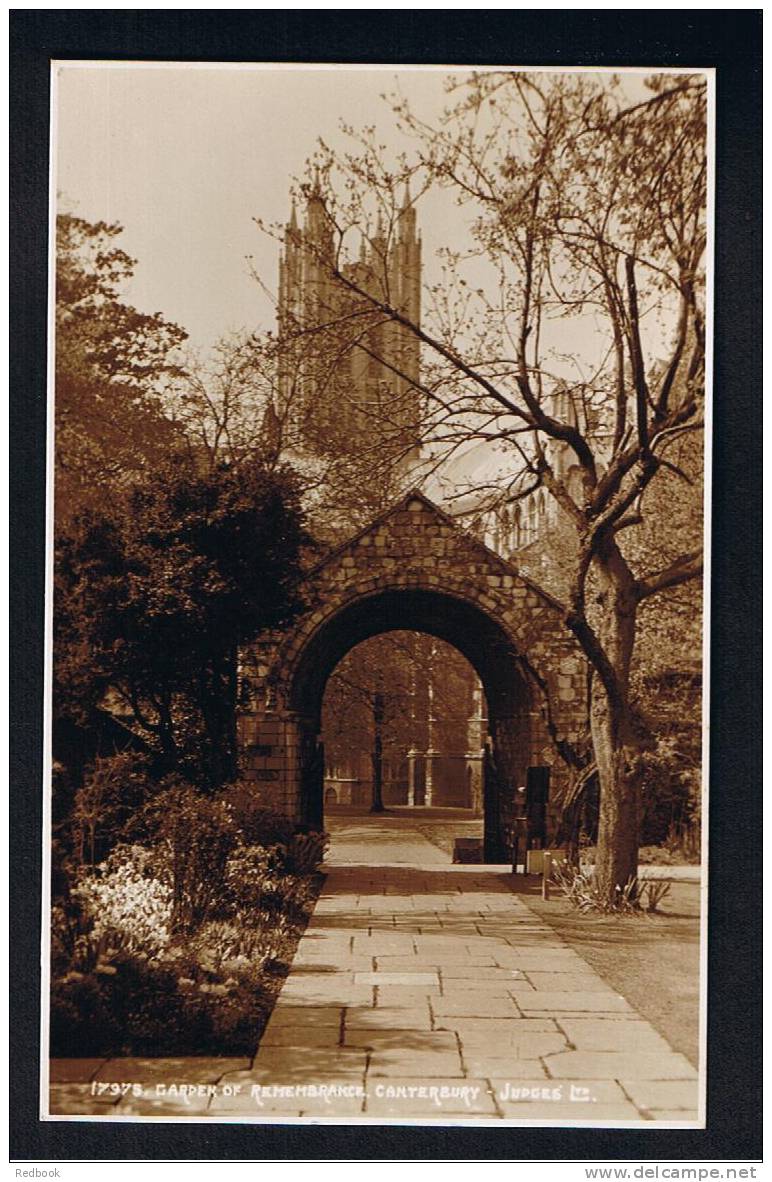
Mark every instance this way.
x=178 y=945
x=583 y=891
x=127 y=901
x=105 y=806
x=305 y=853
x=195 y=835
x=154 y=598
x=256 y=825
x=113 y=365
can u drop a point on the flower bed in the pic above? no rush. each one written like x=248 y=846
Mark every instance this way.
x=179 y=945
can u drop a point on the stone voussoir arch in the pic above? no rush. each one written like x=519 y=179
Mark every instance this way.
x=415 y=568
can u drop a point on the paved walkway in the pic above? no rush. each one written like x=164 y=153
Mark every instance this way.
x=420 y=990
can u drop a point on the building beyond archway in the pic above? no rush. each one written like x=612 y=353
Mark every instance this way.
x=407 y=711
x=415 y=568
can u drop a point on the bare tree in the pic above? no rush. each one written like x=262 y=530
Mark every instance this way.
x=391 y=694
x=571 y=333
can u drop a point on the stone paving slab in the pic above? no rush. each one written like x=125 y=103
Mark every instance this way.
x=405 y=996
x=392 y=1037
x=404 y=999
x=619 y=1065
x=75 y=1099
x=496 y=1028
x=65 y=1071
x=321 y=962
x=670 y=1094
x=312 y=1062
x=306 y=1035
x=477 y=1045
x=498 y=987
x=421 y=991
x=380 y=943
x=493 y=1066
x=568 y=982
x=434 y=959
x=550 y=958
x=600 y=1034
x=411 y=1017
x=386 y=978
x=288 y=1014
x=477 y=974
x=189 y=1070
x=327 y=992
x=418 y=1064
x=559 y=1002
x=471 y=1005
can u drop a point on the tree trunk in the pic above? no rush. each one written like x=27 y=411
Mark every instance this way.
x=618 y=760
x=169 y=752
x=618 y=749
x=218 y=710
x=377 y=756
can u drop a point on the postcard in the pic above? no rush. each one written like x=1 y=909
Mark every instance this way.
x=376 y=760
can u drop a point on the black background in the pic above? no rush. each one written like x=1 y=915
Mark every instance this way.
x=730 y=42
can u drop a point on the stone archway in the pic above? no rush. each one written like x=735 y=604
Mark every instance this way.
x=414 y=568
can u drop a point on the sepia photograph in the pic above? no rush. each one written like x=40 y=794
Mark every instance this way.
x=376 y=774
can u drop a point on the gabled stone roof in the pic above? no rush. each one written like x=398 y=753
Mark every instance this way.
x=390 y=536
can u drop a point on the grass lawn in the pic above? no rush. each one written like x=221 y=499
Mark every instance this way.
x=653 y=961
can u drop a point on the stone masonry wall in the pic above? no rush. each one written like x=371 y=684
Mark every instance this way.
x=413 y=547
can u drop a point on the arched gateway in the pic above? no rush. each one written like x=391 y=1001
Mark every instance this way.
x=415 y=568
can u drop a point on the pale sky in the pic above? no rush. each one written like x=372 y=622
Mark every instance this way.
x=184 y=158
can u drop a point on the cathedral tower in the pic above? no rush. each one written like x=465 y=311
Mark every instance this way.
x=348 y=374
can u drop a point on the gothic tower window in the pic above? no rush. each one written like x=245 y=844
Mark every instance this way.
x=531 y=527
x=516 y=528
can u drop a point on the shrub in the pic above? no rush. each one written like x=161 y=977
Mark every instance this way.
x=220 y=943
x=194 y=836
x=209 y=993
x=239 y=949
x=148 y=1008
x=670 y=795
x=255 y=824
x=128 y=906
x=684 y=843
x=251 y=873
x=653 y=891
x=82 y=1021
x=306 y=851
x=69 y=922
x=174 y=947
x=670 y=790
x=107 y=803
x=580 y=888
x=138 y=1007
x=656 y=855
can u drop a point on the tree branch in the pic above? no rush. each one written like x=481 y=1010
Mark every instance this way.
x=687 y=567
